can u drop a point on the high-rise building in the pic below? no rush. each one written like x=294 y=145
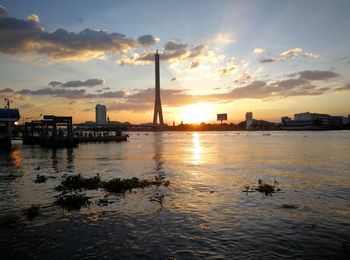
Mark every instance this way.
x=249 y=120
x=157 y=103
x=101 y=114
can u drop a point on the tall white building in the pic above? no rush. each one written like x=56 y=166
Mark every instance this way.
x=249 y=120
x=101 y=114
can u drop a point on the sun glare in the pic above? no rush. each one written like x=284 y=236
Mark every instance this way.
x=197 y=113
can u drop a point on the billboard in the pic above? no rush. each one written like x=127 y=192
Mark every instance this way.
x=221 y=117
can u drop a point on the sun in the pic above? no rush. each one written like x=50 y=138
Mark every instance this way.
x=197 y=113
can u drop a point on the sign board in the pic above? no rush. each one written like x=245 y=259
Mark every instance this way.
x=221 y=117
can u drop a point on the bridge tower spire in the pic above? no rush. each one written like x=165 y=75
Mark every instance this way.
x=157 y=102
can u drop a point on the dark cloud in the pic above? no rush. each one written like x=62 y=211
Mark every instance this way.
x=78 y=83
x=173 y=46
x=344 y=88
x=147 y=39
x=55 y=83
x=194 y=64
x=316 y=74
x=267 y=60
x=197 y=51
x=289 y=83
x=263 y=90
x=3 y=12
x=18 y=35
x=67 y=93
x=70 y=93
x=172 y=51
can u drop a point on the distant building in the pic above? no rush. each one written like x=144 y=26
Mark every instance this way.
x=101 y=114
x=307 y=120
x=249 y=120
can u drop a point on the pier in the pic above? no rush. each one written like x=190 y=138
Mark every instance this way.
x=58 y=131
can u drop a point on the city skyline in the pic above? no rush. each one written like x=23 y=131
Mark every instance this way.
x=274 y=59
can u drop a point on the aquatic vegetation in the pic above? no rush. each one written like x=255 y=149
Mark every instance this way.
x=117 y=185
x=32 y=212
x=77 y=182
x=40 y=179
x=72 y=201
x=289 y=206
x=263 y=187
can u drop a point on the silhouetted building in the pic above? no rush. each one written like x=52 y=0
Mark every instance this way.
x=157 y=103
x=308 y=121
x=249 y=120
x=101 y=114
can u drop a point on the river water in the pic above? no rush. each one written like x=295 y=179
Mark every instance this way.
x=202 y=214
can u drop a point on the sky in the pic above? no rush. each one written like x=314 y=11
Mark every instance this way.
x=274 y=58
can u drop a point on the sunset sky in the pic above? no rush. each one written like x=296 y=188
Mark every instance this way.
x=274 y=58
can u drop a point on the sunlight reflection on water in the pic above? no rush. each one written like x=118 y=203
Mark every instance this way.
x=204 y=213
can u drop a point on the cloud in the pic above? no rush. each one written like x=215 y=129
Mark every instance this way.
x=147 y=39
x=170 y=97
x=315 y=74
x=223 y=39
x=33 y=18
x=194 y=64
x=29 y=36
x=258 y=50
x=289 y=54
x=311 y=55
x=172 y=51
x=268 y=60
x=173 y=79
x=173 y=46
x=78 y=83
x=345 y=88
x=3 y=12
x=228 y=68
x=109 y=94
x=70 y=93
x=243 y=78
x=263 y=90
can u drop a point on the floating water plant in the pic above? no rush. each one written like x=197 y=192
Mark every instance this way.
x=263 y=187
x=77 y=182
x=72 y=201
x=32 y=212
x=40 y=179
x=117 y=185
x=289 y=206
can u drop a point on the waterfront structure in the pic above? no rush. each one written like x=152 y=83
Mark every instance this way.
x=157 y=102
x=101 y=114
x=51 y=131
x=312 y=121
x=8 y=117
x=249 y=120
